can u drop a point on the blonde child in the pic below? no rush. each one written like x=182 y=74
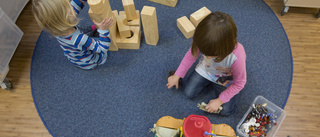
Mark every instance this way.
x=59 y=18
x=222 y=64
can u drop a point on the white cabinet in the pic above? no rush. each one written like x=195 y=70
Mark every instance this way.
x=10 y=35
x=300 y=3
x=13 y=7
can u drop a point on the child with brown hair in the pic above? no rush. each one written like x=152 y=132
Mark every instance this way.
x=222 y=64
x=59 y=18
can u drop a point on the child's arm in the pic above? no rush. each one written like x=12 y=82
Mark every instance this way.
x=104 y=39
x=186 y=63
x=239 y=76
x=78 y=5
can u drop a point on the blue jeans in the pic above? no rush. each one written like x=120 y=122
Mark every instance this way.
x=196 y=83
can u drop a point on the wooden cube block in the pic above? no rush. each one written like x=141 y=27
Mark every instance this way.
x=150 y=25
x=171 y=3
x=130 y=9
x=186 y=27
x=124 y=30
x=134 y=22
x=132 y=42
x=199 y=15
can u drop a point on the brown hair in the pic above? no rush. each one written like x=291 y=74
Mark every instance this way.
x=55 y=16
x=216 y=35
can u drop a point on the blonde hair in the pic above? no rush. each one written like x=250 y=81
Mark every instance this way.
x=55 y=16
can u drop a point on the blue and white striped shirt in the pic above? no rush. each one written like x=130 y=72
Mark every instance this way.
x=82 y=50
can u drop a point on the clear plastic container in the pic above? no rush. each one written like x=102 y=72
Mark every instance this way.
x=272 y=108
x=10 y=36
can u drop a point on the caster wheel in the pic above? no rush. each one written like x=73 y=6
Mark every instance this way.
x=282 y=12
x=7 y=85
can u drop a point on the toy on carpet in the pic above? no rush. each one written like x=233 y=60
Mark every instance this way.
x=192 y=126
x=203 y=105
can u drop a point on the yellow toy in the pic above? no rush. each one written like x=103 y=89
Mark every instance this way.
x=175 y=125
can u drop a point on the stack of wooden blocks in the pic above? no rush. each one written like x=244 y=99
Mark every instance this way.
x=126 y=32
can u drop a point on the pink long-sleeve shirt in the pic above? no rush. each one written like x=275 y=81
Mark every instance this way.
x=236 y=61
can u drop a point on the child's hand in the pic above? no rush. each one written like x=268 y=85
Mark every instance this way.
x=173 y=81
x=104 y=24
x=214 y=105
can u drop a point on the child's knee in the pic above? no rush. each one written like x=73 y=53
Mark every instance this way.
x=227 y=112
x=189 y=94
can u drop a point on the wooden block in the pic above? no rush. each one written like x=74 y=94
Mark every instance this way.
x=150 y=25
x=115 y=13
x=130 y=43
x=186 y=27
x=171 y=3
x=97 y=6
x=223 y=130
x=134 y=22
x=130 y=9
x=199 y=15
x=124 y=30
x=99 y=17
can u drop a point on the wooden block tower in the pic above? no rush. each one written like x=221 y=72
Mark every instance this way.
x=150 y=25
x=99 y=10
x=171 y=3
x=129 y=36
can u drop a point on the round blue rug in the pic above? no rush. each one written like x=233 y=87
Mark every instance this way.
x=128 y=94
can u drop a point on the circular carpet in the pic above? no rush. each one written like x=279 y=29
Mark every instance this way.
x=128 y=94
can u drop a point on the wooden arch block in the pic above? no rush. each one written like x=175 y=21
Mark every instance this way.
x=124 y=29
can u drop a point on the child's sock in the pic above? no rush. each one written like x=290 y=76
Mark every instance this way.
x=93 y=27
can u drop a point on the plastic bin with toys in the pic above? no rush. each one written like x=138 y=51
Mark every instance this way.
x=262 y=119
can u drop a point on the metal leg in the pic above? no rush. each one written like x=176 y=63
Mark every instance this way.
x=7 y=85
x=284 y=10
x=318 y=15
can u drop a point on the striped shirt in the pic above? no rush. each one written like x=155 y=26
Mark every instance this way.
x=82 y=50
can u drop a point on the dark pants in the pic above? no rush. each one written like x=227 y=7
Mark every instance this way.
x=196 y=83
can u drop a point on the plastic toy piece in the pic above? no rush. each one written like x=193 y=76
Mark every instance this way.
x=132 y=42
x=130 y=9
x=171 y=3
x=195 y=125
x=199 y=15
x=99 y=10
x=164 y=132
x=211 y=134
x=203 y=105
x=170 y=122
x=124 y=30
x=173 y=123
x=150 y=25
x=134 y=22
x=186 y=27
